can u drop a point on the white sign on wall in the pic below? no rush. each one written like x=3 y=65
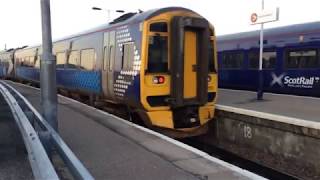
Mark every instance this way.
x=264 y=16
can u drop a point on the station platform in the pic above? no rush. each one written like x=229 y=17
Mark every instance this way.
x=112 y=148
x=300 y=107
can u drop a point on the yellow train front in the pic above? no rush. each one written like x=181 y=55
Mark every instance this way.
x=178 y=76
x=159 y=64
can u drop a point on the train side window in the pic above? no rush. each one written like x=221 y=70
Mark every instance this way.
x=302 y=59
x=73 y=59
x=269 y=60
x=128 y=56
x=232 y=60
x=87 y=59
x=158 y=27
x=61 y=59
x=158 y=54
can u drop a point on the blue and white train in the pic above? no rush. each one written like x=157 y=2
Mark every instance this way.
x=291 y=63
x=160 y=64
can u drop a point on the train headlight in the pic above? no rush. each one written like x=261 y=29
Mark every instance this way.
x=158 y=79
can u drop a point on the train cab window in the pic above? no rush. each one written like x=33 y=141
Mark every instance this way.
x=211 y=58
x=128 y=56
x=158 y=54
x=61 y=59
x=73 y=59
x=159 y=27
x=269 y=60
x=232 y=60
x=302 y=59
x=87 y=59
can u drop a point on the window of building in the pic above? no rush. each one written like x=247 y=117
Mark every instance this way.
x=87 y=59
x=302 y=59
x=61 y=59
x=232 y=60
x=269 y=60
x=128 y=56
x=159 y=27
x=158 y=54
x=73 y=59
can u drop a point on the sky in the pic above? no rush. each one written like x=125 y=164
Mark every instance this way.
x=21 y=21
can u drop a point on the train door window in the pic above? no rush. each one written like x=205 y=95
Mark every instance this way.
x=232 y=60
x=105 y=57
x=158 y=54
x=61 y=59
x=211 y=57
x=87 y=59
x=31 y=61
x=128 y=56
x=37 y=63
x=73 y=59
x=111 y=57
x=302 y=59
x=269 y=60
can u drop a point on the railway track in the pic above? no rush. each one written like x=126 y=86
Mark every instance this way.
x=236 y=160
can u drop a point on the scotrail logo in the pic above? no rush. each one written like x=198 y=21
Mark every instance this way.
x=295 y=82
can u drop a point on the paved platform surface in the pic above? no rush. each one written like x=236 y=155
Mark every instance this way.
x=112 y=148
x=301 y=107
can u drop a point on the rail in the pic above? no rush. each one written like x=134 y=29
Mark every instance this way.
x=41 y=140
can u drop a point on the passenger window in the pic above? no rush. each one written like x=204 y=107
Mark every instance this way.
x=269 y=60
x=232 y=60
x=158 y=54
x=73 y=59
x=302 y=59
x=159 y=27
x=61 y=59
x=211 y=57
x=87 y=59
x=128 y=56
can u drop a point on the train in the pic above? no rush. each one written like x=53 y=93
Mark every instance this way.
x=291 y=62
x=160 y=65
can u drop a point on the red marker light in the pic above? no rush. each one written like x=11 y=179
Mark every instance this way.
x=161 y=79
x=158 y=80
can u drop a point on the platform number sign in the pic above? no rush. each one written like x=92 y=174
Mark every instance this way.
x=247 y=132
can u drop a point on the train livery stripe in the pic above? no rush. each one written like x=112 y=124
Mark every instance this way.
x=69 y=78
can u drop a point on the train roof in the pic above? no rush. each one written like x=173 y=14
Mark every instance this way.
x=304 y=28
x=134 y=18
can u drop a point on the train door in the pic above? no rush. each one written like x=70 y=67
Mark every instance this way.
x=108 y=63
x=189 y=61
x=190 y=64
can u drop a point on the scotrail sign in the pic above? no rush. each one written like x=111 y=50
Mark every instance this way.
x=264 y=16
x=295 y=82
